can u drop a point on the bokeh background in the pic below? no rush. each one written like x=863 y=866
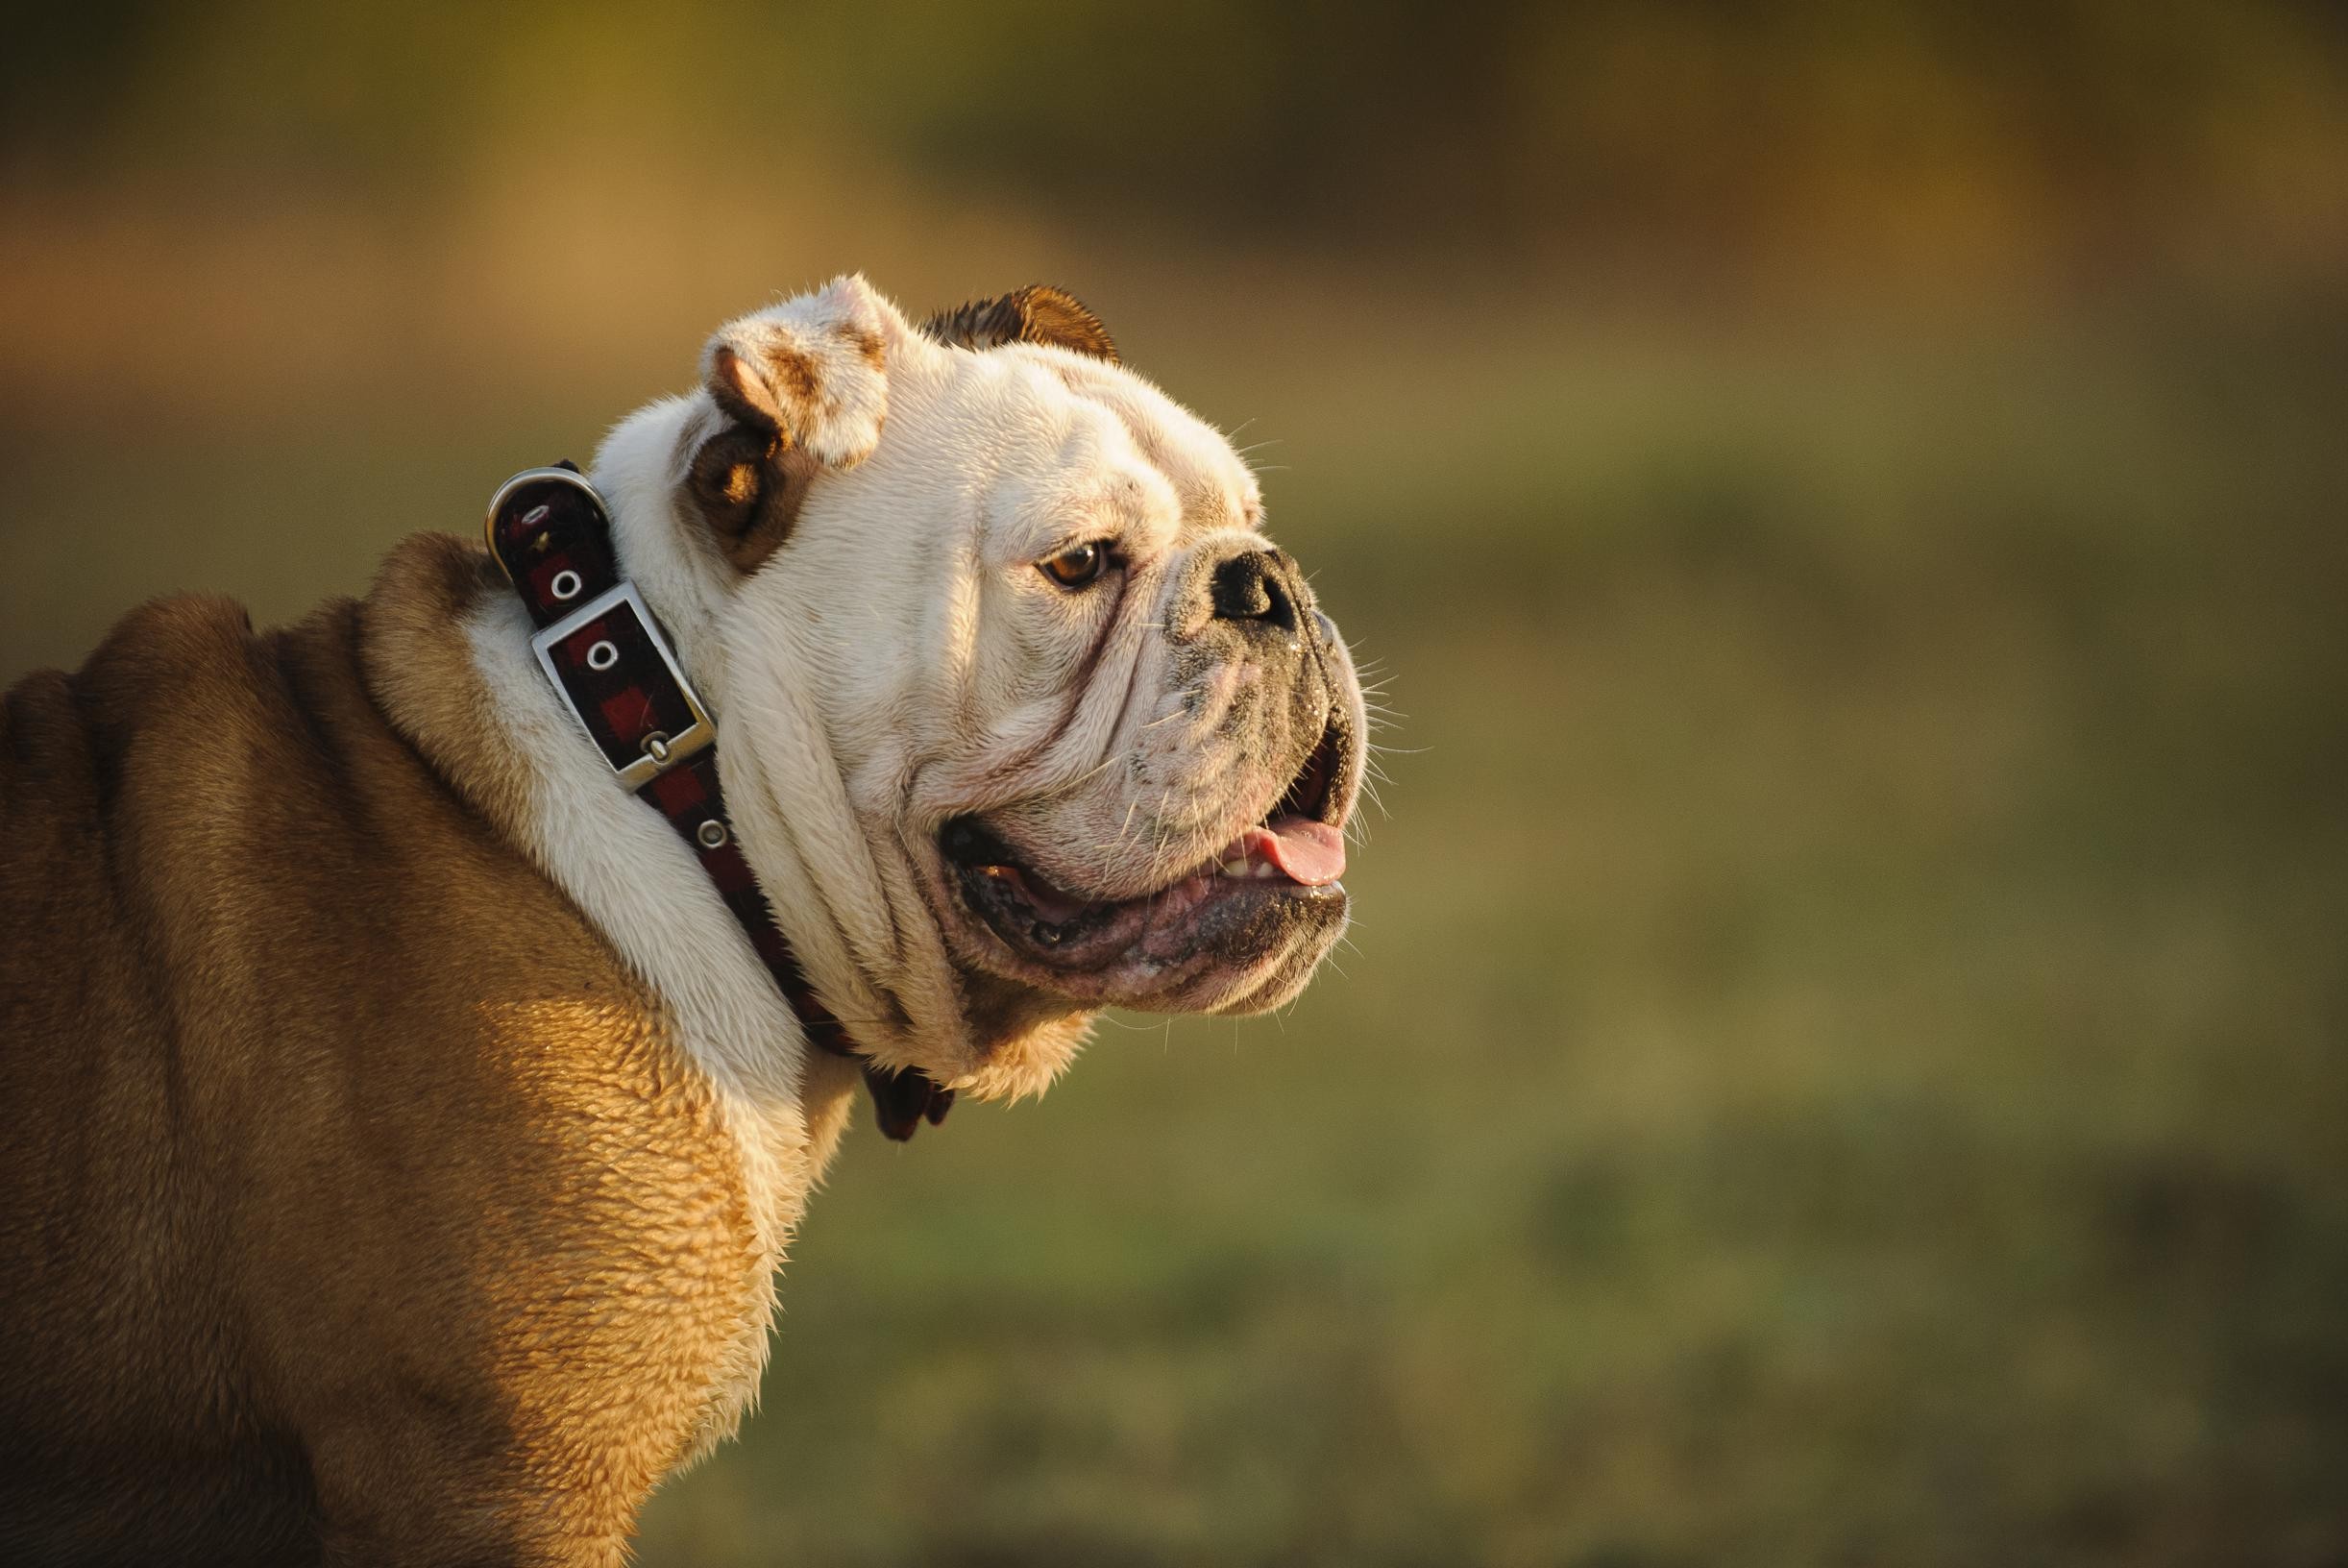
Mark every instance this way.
x=1842 y=1055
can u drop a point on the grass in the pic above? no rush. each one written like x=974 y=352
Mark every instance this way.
x=1840 y=1059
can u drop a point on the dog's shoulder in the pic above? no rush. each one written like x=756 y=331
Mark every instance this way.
x=420 y=669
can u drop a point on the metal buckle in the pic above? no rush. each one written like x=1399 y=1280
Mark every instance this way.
x=662 y=750
x=529 y=477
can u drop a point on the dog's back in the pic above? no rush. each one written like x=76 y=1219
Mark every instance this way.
x=126 y=1433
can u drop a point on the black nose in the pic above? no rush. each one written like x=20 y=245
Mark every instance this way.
x=1252 y=587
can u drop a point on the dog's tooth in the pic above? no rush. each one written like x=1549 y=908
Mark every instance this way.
x=1266 y=869
x=1233 y=868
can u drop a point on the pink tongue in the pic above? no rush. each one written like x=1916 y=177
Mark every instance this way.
x=1305 y=850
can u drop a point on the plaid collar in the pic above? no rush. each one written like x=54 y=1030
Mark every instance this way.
x=600 y=645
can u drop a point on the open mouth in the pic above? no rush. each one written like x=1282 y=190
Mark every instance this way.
x=1293 y=853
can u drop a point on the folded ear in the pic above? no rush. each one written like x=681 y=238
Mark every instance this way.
x=812 y=373
x=1037 y=314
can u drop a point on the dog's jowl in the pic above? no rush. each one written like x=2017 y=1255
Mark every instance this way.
x=421 y=1026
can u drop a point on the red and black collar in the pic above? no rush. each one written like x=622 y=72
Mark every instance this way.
x=599 y=644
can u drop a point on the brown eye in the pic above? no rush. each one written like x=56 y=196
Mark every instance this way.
x=1075 y=566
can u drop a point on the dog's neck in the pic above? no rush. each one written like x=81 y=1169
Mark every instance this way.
x=859 y=926
x=605 y=651
x=841 y=890
x=846 y=889
x=447 y=657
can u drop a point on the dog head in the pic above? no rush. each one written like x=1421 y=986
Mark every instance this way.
x=1020 y=713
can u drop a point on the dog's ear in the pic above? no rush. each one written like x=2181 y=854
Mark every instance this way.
x=812 y=373
x=1037 y=314
x=803 y=386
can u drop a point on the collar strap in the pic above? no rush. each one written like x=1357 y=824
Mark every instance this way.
x=599 y=644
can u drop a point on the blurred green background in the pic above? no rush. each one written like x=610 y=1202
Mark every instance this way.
x=1842 y=1055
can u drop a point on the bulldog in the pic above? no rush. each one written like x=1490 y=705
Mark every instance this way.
x=405 y=1122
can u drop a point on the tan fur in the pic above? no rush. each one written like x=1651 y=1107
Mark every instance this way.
x=354 y=1192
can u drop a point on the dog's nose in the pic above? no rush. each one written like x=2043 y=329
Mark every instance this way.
x=1253 y=587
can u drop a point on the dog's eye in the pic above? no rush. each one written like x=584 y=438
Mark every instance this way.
x=1075 y=566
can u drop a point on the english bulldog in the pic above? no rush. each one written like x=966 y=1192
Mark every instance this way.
x=404 y=1123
